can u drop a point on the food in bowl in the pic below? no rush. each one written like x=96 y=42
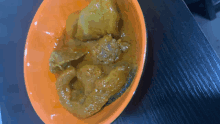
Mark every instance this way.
x=94 y=59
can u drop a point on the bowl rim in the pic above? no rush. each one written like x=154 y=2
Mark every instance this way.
x=136 y=80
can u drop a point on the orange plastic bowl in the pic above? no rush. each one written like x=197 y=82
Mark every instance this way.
x=46 y=27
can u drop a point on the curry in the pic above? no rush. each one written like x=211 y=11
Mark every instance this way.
x=94 y=59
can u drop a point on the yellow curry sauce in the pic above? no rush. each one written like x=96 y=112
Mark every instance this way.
x=93 y=58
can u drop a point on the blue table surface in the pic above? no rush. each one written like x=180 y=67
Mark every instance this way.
x=180 y=83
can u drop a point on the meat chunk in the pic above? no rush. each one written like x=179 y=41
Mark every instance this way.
x=105 y=88
x=106 y=51
x=59 y=58
x=62 y=83
x=123 y=45
x=114 y=81
x=87 y=75
x=69 y=92
x=86 y=105
x=99 y=18
x=77 y=92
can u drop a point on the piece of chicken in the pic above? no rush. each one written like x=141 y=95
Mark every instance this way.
x=107 y=50
x=74 y=99
x=99 y=18
x=123 y=45
x=105 y=88
x=59 y=58
x=88 y=74
x=64 y=89
x=114 y=81
x=77 y=92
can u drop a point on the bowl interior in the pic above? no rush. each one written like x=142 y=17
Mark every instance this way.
x=46 y=27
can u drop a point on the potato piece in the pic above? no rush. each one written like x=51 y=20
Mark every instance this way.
x=99 y=18
x=71 y=24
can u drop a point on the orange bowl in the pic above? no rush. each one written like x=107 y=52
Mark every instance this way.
x=47 y=25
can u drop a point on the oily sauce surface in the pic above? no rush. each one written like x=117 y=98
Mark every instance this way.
x=93 y=57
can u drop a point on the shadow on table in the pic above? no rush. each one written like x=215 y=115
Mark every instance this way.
x=198 y=8
x=203 y=9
